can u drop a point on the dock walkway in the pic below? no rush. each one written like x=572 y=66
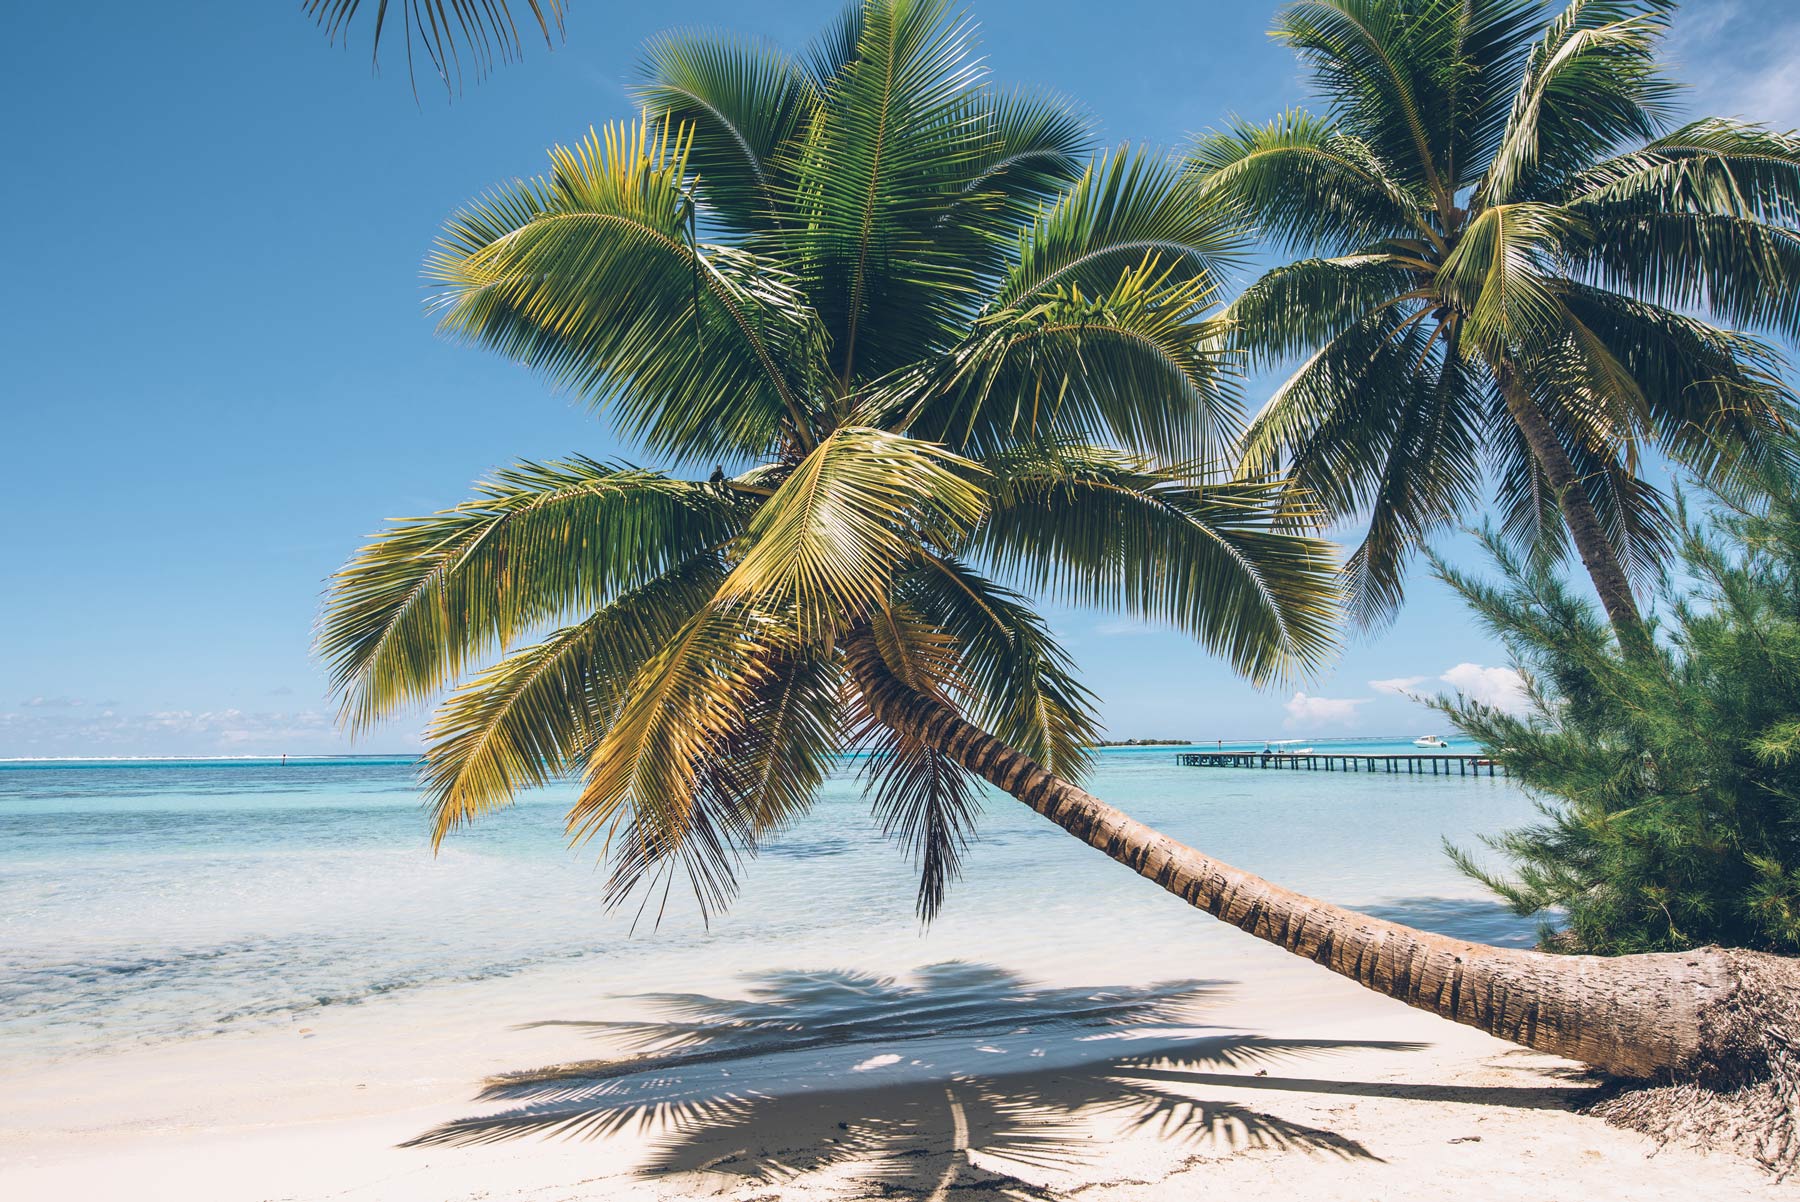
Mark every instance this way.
x=1343 y=761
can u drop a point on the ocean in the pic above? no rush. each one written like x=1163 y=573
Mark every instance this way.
x=148 y=901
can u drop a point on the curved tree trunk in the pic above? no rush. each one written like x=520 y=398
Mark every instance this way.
x=1645 y=1017
x=1597 y=556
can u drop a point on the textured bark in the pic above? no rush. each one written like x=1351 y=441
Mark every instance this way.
x=1645 y=1017
x=1597 y=556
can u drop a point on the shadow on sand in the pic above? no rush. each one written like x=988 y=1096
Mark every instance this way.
x=901 y=1081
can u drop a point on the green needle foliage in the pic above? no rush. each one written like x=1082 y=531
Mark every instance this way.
x=1513 y=272
x=946 y=358
x=1671 y=798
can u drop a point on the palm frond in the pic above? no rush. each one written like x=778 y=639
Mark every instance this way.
x=1129 y=204
x=1302 y=182
x=1430 y=473
x=746 y=102
x=761 y=778
x=1634 y=516
x=1703 y=219
x=880 y=165
x=593 y=276
x=1382 y=425
x=1382 y=65
x=1100 y=527
x=530 y=718
x=1503 y=277
x=1035 y=145
x=486 y=31
x=1717 y=401
x=830 y=539
x=924 y=799
x=659 y=782
x=1136 y=364
x=1592 y=81
x=1016 y=681
x=539 y=544
x=1293 y=308
x=1478 y=80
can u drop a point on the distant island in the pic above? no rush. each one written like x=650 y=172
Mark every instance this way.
x=1142 y=743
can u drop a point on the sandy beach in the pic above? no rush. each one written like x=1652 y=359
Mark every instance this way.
x=1261 y=1078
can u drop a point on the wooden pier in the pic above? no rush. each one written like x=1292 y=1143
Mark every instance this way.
x=1421 y=764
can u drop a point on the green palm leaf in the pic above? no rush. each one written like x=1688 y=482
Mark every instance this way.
x=530 y=718
x=445 y=32
x=593 y=276
x=1291 y=309
x=745 y=102
x=1136 y=364
x=1017 y=681
x=541 y=543
x=1305 y=182
x=1103 y=528
x=878 y=168
x=761 y=776
x=1128 y=206
x=651 y=785
x=830 y=539
x=924 y=800
x=1702 y=219
x=1592 y=82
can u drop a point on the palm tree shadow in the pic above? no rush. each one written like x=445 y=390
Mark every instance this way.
x=979 y=1062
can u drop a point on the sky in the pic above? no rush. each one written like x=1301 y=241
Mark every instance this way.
x=218 y=375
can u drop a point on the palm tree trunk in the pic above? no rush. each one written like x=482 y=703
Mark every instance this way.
x=1643 y=1017
x=1597 y=556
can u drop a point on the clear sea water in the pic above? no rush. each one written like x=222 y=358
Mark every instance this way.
x=144 y=901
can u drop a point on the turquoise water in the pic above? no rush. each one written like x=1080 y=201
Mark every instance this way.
x=143 y=901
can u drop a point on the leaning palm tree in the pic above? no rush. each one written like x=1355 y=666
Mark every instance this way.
x=940 y=346
x=952 y=365
x=1511 y=261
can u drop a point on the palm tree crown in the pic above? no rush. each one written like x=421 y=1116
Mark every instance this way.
x=937 y=345
x=1511 y=259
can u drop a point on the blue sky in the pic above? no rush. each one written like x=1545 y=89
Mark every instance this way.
x=218 y=374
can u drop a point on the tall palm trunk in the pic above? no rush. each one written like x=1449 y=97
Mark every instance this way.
x=1597 y=555
x=1645 y=1016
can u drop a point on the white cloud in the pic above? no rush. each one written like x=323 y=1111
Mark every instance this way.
x=1743 y=60
x=1399 y=684
x=1501 y=688
x=53 y=703
x=1304 y=711
x=44 y=729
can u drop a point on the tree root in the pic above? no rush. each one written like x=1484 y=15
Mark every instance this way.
x=1744 y=1096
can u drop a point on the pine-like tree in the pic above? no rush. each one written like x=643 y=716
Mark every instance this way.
x=1668 y=781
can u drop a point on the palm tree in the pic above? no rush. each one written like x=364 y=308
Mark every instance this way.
x=486 y=32
x=1510 y=258
x=920 y=323
x=939 y=352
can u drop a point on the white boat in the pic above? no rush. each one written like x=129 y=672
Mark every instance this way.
x=1285 y=747
x=1429 y=741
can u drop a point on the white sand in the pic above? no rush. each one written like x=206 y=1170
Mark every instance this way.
x=1135 y=1111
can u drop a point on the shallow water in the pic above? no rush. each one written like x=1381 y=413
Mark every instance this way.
x=152 y=900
